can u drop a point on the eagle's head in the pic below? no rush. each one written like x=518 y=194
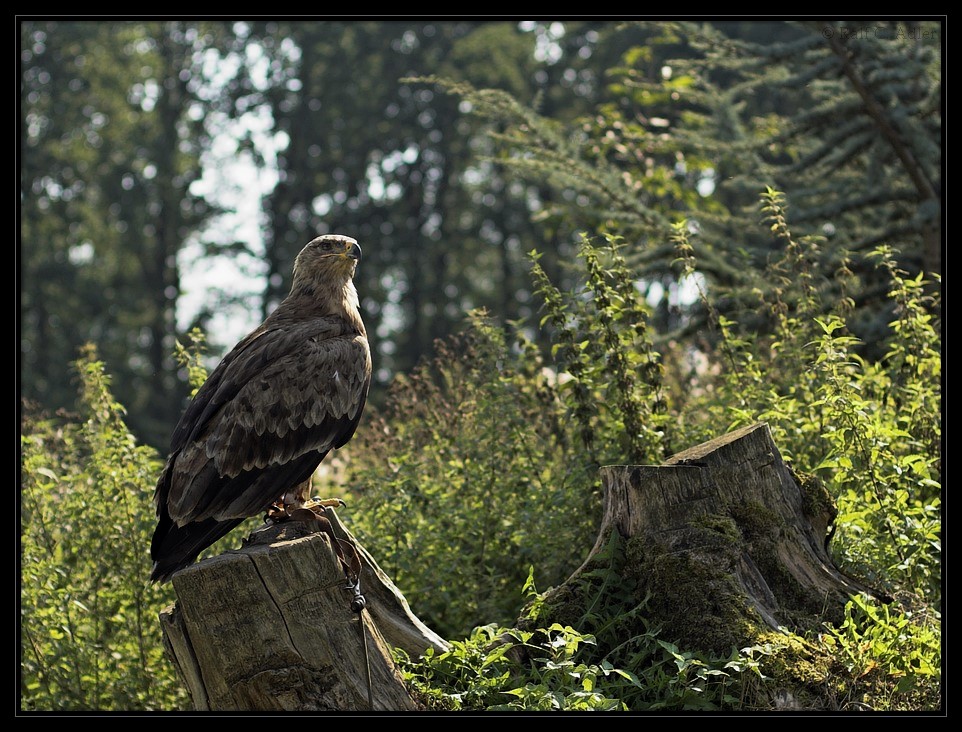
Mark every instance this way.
x=330 y=259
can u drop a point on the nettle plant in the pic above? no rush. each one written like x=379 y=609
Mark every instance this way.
x=561 y=668
x=870 y=430
x=781 y=352
x=88 y=629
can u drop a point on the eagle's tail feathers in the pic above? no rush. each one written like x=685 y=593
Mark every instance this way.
x=175 y=547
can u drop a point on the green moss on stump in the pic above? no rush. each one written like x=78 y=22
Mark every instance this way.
x=696 y=602
x=690 y=583
x=801 y=668
x=687 y=583
x=817 y=503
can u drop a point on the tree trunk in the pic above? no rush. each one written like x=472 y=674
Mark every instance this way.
x=721 y=544
x=270 y=628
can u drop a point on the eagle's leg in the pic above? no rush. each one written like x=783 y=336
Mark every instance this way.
x=298 y=495
x=297 y=498
x=315 y=504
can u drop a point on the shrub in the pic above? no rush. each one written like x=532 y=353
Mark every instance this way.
x=470 y=475
x=871 y=431
x=89 y=634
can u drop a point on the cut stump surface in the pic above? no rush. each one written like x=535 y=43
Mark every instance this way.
x=269 y=628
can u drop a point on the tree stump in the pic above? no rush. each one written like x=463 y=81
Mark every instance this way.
x=721 y=543
x=269 y=628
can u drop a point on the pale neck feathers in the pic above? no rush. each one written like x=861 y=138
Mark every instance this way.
x=317 y=296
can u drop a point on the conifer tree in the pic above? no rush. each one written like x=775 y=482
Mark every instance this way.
x=703 y=118
x=849 y=126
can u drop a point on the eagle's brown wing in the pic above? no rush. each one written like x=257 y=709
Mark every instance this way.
x=261 y=424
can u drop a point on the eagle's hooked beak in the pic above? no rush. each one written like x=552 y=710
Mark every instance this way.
x=353 y=251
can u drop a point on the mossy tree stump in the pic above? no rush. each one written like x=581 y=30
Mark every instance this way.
x=723 y=542
x=270 y=628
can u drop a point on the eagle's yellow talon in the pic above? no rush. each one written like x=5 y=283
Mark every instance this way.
x=325 y=503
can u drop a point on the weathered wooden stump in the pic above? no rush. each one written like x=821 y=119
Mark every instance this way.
x=721 y=543
x=269 y=628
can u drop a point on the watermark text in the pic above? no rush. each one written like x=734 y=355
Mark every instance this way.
x=866 y=32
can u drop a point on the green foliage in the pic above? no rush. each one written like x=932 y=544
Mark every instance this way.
x=191 y=357
x=480 y=673
x=88 y=618
x=600 y=336
x=843 y=116
x=861 y=147
x=882 y=444
x=472 y=458
x=583 y=181
x=559 y=668
x=870 y=431
x=883 y=648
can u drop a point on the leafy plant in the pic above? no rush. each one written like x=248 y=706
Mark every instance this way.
x=869 y=430
x=472 y=459
x=88 y=628
x=891 y=653
x=559 y=668
x=601 y=338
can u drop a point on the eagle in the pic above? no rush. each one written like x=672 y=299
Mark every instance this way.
x=284 y=397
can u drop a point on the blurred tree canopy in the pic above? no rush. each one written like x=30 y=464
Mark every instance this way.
x=769 y=198
x=112 y=129
x=552 y=128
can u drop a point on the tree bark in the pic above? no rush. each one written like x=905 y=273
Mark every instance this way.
x=270 y=628
x=722 y=543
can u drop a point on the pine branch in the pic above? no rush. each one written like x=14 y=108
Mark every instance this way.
x=875 y=110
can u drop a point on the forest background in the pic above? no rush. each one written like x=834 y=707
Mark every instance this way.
x=603 y=241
